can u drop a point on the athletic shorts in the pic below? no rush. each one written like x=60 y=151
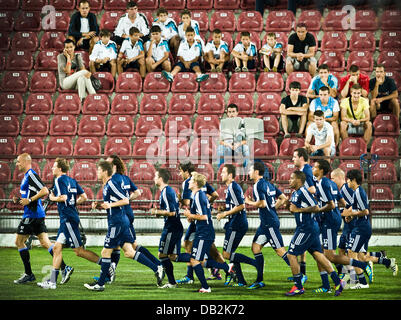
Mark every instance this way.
x=232 y=240
x=170 y=242
x=132 y=230
x=328 y=234
x=32 y=226
x=69 y=235
x=191 y=67
x=266 y=234
x=304 y=241
x=118 y=235
x=200 y=249
x=344 y=238
x=301 y=66
x=190 y=234
x=358 y=242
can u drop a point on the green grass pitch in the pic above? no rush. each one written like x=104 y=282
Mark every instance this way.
x=136 y=282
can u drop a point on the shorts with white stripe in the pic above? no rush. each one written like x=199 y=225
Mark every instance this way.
x=329 y=237
x=201 y=249
x=69 y=235
x=170 y=242
x=266 y=234
x=358 y=242
x=232 y=240
x=117 y=235
x=190 y=234
x=302 y=241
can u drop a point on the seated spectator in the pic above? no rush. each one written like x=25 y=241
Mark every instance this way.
x=330 y=108
x=354 y=76
x=384 y=94
x=169 y=30
x=322 y=131
x=236 y=145
x=132 y=53
x=323 y=79
x=244 y=53
x=187 y=21
x=189 y=55
x=104 y=54
x=83 y=28
x=355 y=115
x=301 y=51
x=157 y=51
x=71 y=71
x=217 y=52
x=132 y=18
x=271 y=52
x=294 y=111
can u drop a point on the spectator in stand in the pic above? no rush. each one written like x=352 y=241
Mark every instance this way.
x=384 y=94
x=245 y=53
x=83 y=28
x=132 y=18
x=323 y=79
x=322 y=131
x=355 y=115
x=294 y=111
x=187 y=21
x=71 y=71
x=271 y=52
x=157 y=51
x=217 y=52
x=132 y=53
x=301 y=51
x=104 y=54
x=169 y=30
x=354 y=76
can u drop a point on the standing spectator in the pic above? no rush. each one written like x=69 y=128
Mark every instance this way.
x=217 y=52
x=132 y=18
x=355 y=115
x=104 y=54
x=71 y=71
x=354 y=76
x=245 y=53
x=384 y=94
x=323 y=79
x=324 y=137
x=301 y=51
x=271 y=52
x=132 y=53
x=83 y=28
x=169 y=30
x=157 y=51
x=294 y=109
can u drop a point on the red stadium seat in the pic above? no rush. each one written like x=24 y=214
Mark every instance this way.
x=175 y=148
x=147 y=4
x=4 y=41
x=349 y=165
x=110 y=19
x=383 y=193
x=146 y=194
x=84 y=56
x=15 y=81
x=390 y=20
x=390 y=40
x=67 y=103
x=184 y=82
x=107 y=81
x=129 y=82
x=91 y=125
x=304 y=78
x=226 y=4
x=10 y=205
x=199 y=4
x=178 y=126
x=265 y=148
x=280 y=20
x=19 y=60
x=271 y=125
x=334 y=59
x=35 y=125
x=32 y=145
x=5 y=172
x=175 y=15
x=2 y=60
x=146 y=147
x=334 y=40
x=182 y=104
x=149 y=125
x=362 y=41
x=352 y=146
x=28 y=21
x=288 y=145
x=396 y=75
x=43 y=81
x=33 y=4
x=312 y=19
x=206 y=169
x=52 y=40
x=268 y=103
x=285 y=170
x=207 y=125
x=63 y=125
x=120 y=125
x=173 y=168
x=98 y=104
x=383 y=171
x=270 y=81
x=7 y=146
x=11 y=103
x=25 y=40
x=250 y=21
x=211 y=103
x=255 y=38
x=384 y=146
x=247 y=4
x=87 y=146
x=334 y=21
x=223 y=20
x=172 y=4
x=47 y=60
x=242 y=82
x=84 y=171
x=63 y=4
x=386 y=125
x=39 y=103
x=9 y=5
x=6 y=21
x=19 y=175
x=153 y=103
x=142 y=171
x=201 y=16
x=155 y=82
x=391 y=60
x=363 y=59
x=124 y=103
x=47 y=172
x=366 y=20
x=9 y=125
x=59 y=146
x=217 y=82
x=62 y=21
x=117 y=145
x=115 y=4
x=244 y=101
x=202 y=149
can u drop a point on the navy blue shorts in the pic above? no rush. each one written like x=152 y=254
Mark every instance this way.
x=201 y=249
x=344 y=238
x=329 y=235
x=118 y=235
x=69 y=235
x=190 y=234
x=304 y=241
x=358 y=241
x=232 y=240
x=170 y=242
x=266 y=234
x=191 y=67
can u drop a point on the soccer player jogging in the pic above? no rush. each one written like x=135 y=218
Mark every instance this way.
x=170 y=239
x=118 y=232
x=32 y=190
x=265 y=195
x=204 y=235
x=237 y=224
x=67 y=193
x=306 y=236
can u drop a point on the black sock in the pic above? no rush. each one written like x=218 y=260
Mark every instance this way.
x=25 y=257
